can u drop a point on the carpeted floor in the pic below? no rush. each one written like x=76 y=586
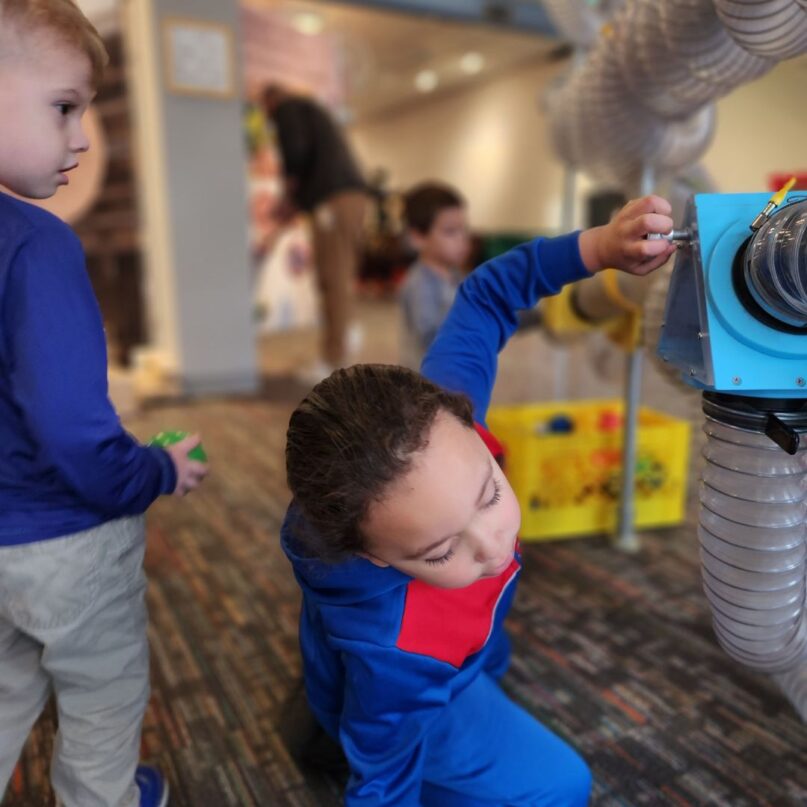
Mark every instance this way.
x=615 y=653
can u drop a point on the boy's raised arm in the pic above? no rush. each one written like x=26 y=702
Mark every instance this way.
x=464 y=356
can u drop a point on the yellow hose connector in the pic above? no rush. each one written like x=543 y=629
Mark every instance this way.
x=563 y=323
x=773 y=203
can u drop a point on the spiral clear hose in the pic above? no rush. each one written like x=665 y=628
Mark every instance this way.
x=638 y=99
x=774 y=28
x=753 y=553
x=775 y=265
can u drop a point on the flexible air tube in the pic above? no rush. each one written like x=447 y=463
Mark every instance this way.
x=775 y=265
x=643 y=95
x=752 y=537
x=773 y=28
x=641 y=99
x=577 y=22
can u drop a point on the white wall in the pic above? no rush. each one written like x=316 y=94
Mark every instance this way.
x=492 y=142
x=761 y=129
x=96 y=8
x=104 y=14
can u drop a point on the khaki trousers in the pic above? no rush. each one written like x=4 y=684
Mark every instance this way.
x=338 y=229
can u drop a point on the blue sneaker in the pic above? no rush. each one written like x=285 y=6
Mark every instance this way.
x=153 y=787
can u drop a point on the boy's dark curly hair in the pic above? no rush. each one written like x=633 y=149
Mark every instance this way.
x=353 y=435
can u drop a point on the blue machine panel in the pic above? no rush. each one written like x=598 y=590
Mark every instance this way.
x=708 y=332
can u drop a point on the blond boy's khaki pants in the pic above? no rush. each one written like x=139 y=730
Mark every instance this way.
x=73 y=622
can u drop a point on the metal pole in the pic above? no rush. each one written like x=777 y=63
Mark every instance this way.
x=560 y=353
x=626 y=538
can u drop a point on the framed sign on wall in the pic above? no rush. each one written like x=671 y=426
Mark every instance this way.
x=199 y=58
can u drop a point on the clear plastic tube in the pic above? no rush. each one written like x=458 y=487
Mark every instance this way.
x=788 y=489
x=754 y=553
x=638 y=99
x=775 y=265
x=775 y=28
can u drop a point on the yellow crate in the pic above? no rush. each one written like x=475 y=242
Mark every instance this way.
x=569 y=483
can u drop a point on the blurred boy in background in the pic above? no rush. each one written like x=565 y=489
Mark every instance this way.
x=437 y=224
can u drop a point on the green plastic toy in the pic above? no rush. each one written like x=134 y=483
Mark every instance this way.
x=168 y=438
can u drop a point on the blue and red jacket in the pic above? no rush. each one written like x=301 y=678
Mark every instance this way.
x=384 y=653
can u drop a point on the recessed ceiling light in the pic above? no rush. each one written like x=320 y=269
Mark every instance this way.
x=426 y=80
x=472 y=63
x=309 y=23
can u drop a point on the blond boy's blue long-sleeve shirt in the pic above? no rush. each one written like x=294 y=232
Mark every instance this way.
x=66 y=463
x=384 y=654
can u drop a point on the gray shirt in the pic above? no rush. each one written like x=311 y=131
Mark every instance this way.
x=426 y=298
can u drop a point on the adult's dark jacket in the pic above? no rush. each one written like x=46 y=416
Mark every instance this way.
x=315 y=152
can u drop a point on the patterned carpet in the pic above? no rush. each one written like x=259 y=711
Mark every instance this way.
x=614 y=653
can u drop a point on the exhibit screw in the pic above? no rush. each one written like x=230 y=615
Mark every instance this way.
x=800 y=381
x=672 y=236
x=736 y=380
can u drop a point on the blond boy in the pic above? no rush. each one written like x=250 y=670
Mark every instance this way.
x=73 y=484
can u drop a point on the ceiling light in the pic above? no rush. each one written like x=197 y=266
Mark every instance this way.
x=426 y=80
x=309 y=23
x=472 y=63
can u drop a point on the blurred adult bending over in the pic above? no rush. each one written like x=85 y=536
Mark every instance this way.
x=323 y=179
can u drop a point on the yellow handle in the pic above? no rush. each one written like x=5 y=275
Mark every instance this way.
x=782 y=192
x=610 y=283
x=626 y=331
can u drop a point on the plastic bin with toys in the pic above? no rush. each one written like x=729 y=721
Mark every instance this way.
x=564 y=461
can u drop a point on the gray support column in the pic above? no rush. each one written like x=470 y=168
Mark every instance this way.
x=193 y=199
